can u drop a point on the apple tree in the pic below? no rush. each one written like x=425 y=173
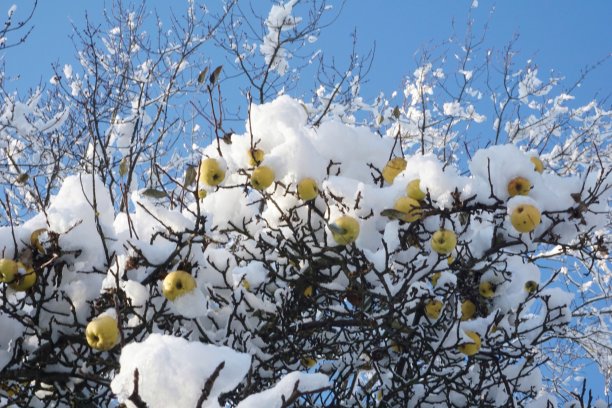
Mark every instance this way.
x=183 y=230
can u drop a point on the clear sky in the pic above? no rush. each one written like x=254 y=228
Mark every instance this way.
x=564 y=35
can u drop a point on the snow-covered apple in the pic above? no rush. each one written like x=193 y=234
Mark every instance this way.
x=433 y=308
x=393 y=168
x=24 y=279
x=262 y=178
x=413 y=190
x=470 y=348
x=255 y=156
x=519 y=186
x=307 y=189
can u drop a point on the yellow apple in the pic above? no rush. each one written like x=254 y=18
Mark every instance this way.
x=410 y=207
x=309 y=291
x=393 y=167
x=469 y=349
x=24 y=279
x=177 y=284
x=307 y=189
x=255 y=156
x=443 y=241
x=102 y=333
x=537 y=164
x=202 y=194
x=433 y=308
x=486 y=289
x=246 y=284
x=345 y=230
x=211 y=172
x=35 y=240
x=468 y=310
x=531 y=286
x=525 y=218
x=308 y=362
x=8 y=270
x=262 y=178
x=413 y=190
x=519 y=186
x=435 y=277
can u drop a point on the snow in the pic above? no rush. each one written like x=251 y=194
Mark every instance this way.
x=172 y=371
x=279 y=20
x=277 y=395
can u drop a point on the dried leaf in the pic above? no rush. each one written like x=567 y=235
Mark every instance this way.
x=338 y=230
x=123 y=166
x=190 y=175
x=393 y=214
x=215 y=75
x=151 y=192
x=202 y=76
x=22 y=178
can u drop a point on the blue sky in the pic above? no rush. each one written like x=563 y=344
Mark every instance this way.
x=560 y=35
x=564 y=35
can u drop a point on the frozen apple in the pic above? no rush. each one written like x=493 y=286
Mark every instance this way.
x=212 y=172
x=102 y=333
x=177 y=283
x=519 y=186
x=8 y=270
x=409 y=208
x=525 y=218
x=433 y=308
x=413 y=190
x=262 y=178
x=537 y=164
x=24 y=279
x=255 y=156
x=470 y=348
x=443 y=241
x=486 y=290
x=393 y=167
x=345 y=230
x=307 y=189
